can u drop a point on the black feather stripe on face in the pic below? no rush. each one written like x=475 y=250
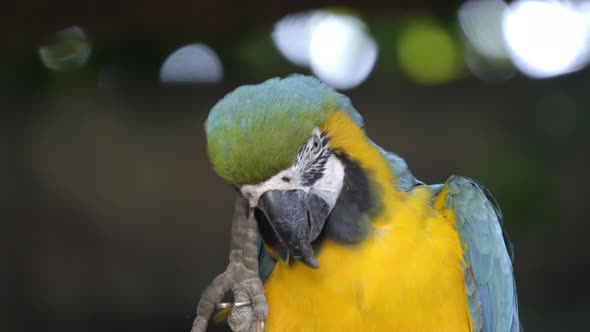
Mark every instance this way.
x=312 y=158
x=348 y=222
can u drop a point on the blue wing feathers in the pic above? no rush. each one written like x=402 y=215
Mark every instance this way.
x=496 y=207
x=488 y=255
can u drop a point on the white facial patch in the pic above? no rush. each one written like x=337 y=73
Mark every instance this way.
x=284 y=180
x=328 y=187
x=296 y=177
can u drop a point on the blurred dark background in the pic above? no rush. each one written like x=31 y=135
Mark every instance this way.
x=112 y=218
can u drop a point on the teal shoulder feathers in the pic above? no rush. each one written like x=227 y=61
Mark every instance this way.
x=489 y=279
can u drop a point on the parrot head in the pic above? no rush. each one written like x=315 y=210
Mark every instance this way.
x=267 y=141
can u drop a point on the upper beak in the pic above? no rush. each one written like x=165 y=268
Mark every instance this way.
x=297 y=219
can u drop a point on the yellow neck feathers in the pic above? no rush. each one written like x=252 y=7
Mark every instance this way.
x=348 y=138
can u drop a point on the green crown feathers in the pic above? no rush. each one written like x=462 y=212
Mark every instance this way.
x=254 y=132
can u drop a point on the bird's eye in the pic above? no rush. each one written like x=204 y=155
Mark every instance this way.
x=286 y=179
x=316 y=143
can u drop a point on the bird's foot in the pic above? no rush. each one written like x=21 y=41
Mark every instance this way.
x=249 y=309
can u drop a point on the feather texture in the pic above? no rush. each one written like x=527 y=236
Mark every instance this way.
x=489 y=278
x=405 y=275
x=255 y=131
x=426 y=257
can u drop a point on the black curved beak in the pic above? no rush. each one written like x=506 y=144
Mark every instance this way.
x=297 y=219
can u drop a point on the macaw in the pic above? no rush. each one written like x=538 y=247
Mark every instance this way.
x=350 y=239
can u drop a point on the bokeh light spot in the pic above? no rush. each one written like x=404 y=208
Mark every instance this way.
x=481 y=22
x=69 y=50
x=341 y=51
x=487 y=68
x=546 y=38
x=292 y=36
x=337 y=47
x=193 y=63
x=427 y=53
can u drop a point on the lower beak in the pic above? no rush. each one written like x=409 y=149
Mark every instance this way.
x=297 y=219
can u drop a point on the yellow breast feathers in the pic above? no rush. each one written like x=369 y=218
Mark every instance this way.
x=406 y=276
